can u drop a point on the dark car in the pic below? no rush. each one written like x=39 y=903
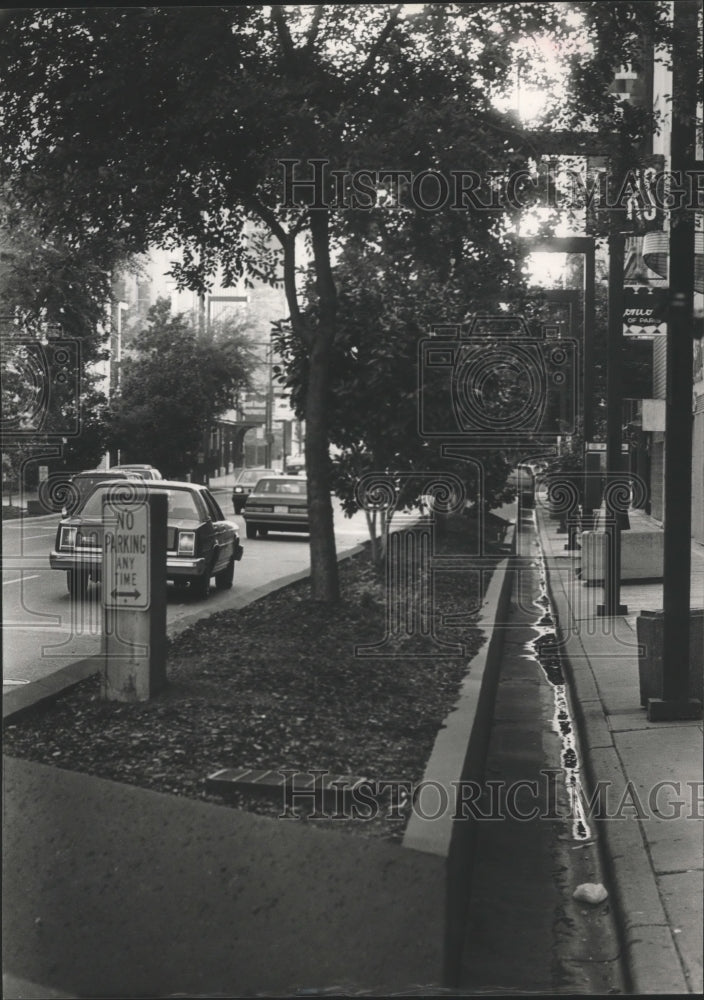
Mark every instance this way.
x=294 y=466
x=277 y=504
x=245 y=483
x=83 y=483
x=201 y=543
x=523 y=481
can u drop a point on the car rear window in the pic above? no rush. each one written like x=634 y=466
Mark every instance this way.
x=182 y=503
x=253 y=476
x=282 y=487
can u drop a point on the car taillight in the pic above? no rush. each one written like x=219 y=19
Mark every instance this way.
x=67 y=538
x=186 y=543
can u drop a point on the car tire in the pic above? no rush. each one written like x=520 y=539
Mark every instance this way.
x=251 y=530
x=77 y=583
x=263 y=532
x=223 y=579
x=200 y=585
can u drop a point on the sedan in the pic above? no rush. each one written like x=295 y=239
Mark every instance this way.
x=277 y=504
x=83 y=483
x=200 y=544
x=245 y=483
x=523 y=481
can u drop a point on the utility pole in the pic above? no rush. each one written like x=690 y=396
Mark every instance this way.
x=675 y=702
x=614 y=416
x=269 y=412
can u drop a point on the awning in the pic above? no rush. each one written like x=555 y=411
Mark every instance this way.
x=656 y=249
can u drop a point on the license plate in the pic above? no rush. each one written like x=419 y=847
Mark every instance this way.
x=280 y=510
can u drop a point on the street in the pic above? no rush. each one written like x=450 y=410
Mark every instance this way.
x=43 y=630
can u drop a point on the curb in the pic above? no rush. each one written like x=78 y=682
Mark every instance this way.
x=17 y=701
x=14 y=988
x=459 y=755
x=651 y=959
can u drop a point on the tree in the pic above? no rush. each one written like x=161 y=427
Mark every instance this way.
x=173 y=387
x=389 y=302
x=54 y=300
x=169 y=126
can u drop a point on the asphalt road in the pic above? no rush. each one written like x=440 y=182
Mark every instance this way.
x=43 y=630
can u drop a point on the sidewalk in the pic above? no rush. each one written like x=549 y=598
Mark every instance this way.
x=653 y=855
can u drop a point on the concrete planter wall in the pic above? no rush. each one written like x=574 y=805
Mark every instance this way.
x=649 y=630
x=642 y=554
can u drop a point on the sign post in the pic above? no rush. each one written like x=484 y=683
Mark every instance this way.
x=134 y=597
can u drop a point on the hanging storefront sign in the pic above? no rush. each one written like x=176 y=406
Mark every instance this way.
x=644 y=311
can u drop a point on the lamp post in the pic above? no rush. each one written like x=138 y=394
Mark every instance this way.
x=269 y=412
x=675 y=702
x=614 y=416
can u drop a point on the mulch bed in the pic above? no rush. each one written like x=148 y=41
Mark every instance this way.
x=278 y=684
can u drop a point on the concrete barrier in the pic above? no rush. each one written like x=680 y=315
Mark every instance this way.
x=459 y=755
x=641 y=555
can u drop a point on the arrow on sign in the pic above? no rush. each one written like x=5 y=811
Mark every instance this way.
x=134 y=594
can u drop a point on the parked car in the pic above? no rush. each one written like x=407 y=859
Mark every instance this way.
x=83 y=483
x=143 y=471
x=295 y=465
x=523 y=480
x=201 y=543
x=277 y=504
x=244 y=484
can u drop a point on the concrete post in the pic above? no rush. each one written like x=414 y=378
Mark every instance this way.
x=134 y=557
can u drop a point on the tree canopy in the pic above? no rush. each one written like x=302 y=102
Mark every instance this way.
x=173 y=386
x=169 y=125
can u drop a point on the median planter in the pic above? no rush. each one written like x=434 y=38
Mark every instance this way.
x=649 y=630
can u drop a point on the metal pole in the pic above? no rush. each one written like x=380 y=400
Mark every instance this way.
x=589 y=323
x=675 y=702
x=612 y=556
x=269 y=414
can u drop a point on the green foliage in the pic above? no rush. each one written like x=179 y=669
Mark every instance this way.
x=50 y=288
x=166 y=125
x=388 y=302
x=174 y=385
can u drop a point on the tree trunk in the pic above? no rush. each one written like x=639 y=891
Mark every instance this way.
x=318 y=341
x=323 y=556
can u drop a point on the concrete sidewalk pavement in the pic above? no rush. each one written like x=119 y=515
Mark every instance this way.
x=651 y=828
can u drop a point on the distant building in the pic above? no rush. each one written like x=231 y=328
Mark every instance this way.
x=261 y=429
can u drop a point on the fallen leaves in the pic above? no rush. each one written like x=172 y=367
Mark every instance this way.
x=276 y=684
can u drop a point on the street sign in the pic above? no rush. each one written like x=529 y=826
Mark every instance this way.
x=126 y=555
